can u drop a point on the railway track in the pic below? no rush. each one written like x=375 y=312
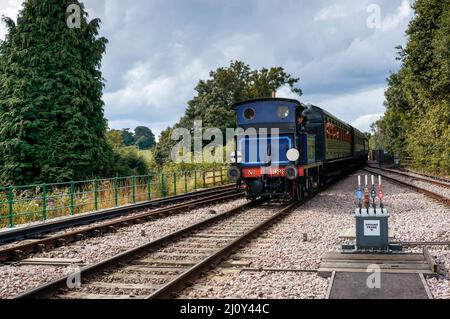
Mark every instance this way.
x=163 y=267
x=434 y=195
x=441 y=179
x=425 y=178
x=42 y=242
x=33 y=231
x=159 y=269
x=424 y=243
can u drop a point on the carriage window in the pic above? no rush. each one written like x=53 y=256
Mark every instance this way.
x=283 y=112
x=249 y=114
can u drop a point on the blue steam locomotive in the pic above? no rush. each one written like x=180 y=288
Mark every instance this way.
x=286 y=149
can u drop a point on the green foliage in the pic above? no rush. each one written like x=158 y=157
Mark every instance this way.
x=52 y=126
x=163 y=148
x=417 y=120
x=115 y=139
x=144 y=138
x=215 y=96
x=129 y=162
x=128 y=137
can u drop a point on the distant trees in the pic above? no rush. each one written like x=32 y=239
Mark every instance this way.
x=143 y=138
x=52 y=126
x=214 y=98
x=128 y=137
x=127 y=159
x=417 y=119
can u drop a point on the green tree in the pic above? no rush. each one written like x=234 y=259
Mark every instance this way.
x=115 y=139
x=393 y=129
x=417 y=120
x=129 y=162
x=163 y=147
x=52 y=126
x=144 y=138
x=128 y=137
x=226 y=86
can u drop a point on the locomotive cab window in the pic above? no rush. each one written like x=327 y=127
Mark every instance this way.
x=249 y=114
x=283 y=112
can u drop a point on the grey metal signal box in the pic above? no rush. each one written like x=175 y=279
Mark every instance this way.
x=372 y=233
x=372 y=229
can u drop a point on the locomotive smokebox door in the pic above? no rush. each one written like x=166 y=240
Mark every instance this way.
x=372 y=229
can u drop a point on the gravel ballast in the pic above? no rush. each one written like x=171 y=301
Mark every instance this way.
x=15 y=280
x=415 y=217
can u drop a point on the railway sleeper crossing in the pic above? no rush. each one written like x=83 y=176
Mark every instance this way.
x=378 y=276
x=354 y=285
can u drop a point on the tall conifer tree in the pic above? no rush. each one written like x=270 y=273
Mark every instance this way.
x=52 y=125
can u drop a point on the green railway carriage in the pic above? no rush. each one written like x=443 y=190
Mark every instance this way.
x=338 y=138
x=361 y=147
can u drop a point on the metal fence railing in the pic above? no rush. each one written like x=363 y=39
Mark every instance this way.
x=41 y=202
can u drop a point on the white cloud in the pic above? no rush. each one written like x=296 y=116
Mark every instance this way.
x=8 y=8
x=363 y=123
x=347 y=107
x=286 y=93
x=332 y=12
x=156 y=98
x=392 y=21
x=159 y=50
x=115 y=13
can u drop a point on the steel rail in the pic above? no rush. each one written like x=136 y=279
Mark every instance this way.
x=425 y=243
x=179 y=282
x=32 y=231
x=19 y=251
x=441 y=179
x=172 y=287
x=88 y=271
x=417 y=189
x=165 y=291
x=430 y=179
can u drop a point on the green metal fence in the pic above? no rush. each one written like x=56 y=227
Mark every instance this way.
x=31 y=203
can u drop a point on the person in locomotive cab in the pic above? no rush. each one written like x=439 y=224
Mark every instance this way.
x=301 y=121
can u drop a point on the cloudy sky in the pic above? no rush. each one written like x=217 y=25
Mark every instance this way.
x=159 y=49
